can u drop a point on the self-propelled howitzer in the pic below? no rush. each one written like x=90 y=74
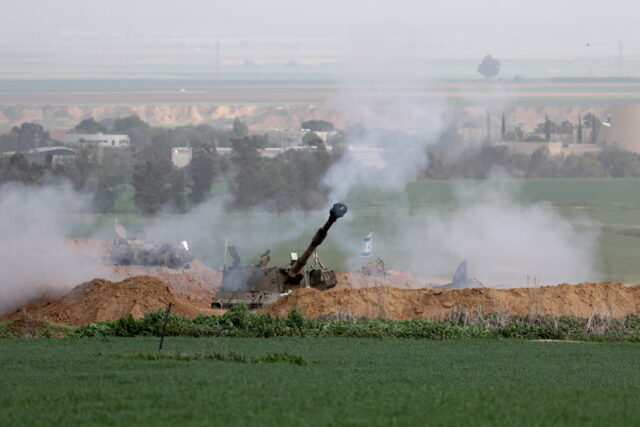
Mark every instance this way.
x=258 y=285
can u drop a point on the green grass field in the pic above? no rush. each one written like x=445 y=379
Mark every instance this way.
x=344 y=382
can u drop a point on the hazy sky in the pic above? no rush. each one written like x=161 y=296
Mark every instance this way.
x=40 y=33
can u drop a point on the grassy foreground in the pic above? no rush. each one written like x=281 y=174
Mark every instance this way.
x=241 y=323
x=343 y=381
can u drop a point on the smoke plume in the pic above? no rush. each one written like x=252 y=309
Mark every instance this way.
x=37 y=258
x=505 y=242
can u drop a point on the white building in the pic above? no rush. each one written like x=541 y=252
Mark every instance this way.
x=624 y=130
x=181 y=156
x=98 y=139
x=286 y=138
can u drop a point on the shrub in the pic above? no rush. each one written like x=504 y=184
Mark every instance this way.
x=240 y=322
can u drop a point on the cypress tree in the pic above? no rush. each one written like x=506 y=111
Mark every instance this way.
x=547 y=128
x=579 y=129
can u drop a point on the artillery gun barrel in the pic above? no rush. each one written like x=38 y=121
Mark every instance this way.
x=337 y=211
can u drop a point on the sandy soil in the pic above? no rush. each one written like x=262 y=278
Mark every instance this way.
x=581 y=300
x=136 y=290
x=100 y=300
x=285 y=115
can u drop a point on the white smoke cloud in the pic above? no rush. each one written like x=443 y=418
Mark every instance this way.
x=37 y=258
x=393 y=148
x=208 y=225
x=506 y=243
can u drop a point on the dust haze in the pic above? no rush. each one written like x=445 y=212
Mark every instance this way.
x=127 y=38
x=506 y=243
x=37 y=257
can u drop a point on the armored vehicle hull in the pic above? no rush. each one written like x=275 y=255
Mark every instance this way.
x=138 y=252
x=259 y=285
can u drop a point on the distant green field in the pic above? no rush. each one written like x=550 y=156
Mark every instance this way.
x=304 y=88
x=344 y=382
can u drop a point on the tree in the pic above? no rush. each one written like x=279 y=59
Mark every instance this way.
x=318 y=126
x=540 y=164
x=29 y=136
x=618 y=163
x=202 y=171
x=592 y=122
x=251 y=179
x=489 y=67
x=311 y=138
x=90 y=126
x=547 y=129
x=503 y=126
x=579 y=129
x=138 y=131
x=84 y=167
x=239 y=130
x=178 y=190
x=150 y=180
x=9 y=142
x=565 y=128
x=584 y=166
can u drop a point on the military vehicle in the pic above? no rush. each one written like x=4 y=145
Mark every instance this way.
x=138 y=252
x=460 y=280
x=259 y=285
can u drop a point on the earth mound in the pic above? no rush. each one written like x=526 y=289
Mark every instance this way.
x=392 y=278
x=582 y=300
x=196 y=284
x=100 y=300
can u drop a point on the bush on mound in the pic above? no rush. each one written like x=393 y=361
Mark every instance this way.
x=240 y=322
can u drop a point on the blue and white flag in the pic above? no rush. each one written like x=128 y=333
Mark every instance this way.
x=368 y=245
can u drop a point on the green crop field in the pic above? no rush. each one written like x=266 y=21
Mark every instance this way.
x=342 y=381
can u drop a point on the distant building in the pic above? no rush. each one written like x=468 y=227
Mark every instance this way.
x=286 y=138
x=623 y=130
x=40 y=155
x=181 y=156
x=97 y=139
x=324 y=136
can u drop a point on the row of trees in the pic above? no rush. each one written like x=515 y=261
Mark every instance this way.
x=586 y=130
x=480 y=163
x=144 y=176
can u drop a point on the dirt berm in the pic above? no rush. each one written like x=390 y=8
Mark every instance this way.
x=100 y=300
x=581 y=300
